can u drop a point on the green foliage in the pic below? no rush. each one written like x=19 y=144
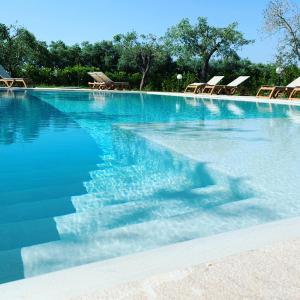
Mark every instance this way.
x=171 y=84
x=139 y=52
x=203 y=42
x=68 y=76
x=19 y=47
x=145 y=61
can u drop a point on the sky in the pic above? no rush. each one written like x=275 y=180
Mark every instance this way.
x=74 y=21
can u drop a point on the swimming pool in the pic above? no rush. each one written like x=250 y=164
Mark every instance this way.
x=87 y=176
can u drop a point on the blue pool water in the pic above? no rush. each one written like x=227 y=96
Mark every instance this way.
x=90 y=176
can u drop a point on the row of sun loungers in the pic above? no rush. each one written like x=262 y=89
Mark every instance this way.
x=291 y=90
x=212 y=87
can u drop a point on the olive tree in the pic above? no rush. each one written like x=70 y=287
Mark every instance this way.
x=203 y=42
x=139 y=52
x=283 y=18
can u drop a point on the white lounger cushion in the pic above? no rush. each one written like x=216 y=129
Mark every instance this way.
x=237 y=81
x=294 y=83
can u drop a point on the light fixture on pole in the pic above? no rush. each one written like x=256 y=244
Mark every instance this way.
x=179 y=78
x=279 y=70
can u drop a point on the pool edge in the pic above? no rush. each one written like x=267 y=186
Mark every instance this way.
x=88 y=278
x=176 y=94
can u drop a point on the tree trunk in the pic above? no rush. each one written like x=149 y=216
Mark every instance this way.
x=204 y=69
x=144 y=71
x=142 y=80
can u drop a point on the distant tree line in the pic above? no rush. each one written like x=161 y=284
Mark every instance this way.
x=197 y=51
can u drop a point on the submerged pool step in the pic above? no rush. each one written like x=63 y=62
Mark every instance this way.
x=103 y=244
x=36 y=210
x=119 y=170
x=92 y=219
x=41 y=193
x=204 y=197
x=140 y=185
x=26 y=233
x=11 y=265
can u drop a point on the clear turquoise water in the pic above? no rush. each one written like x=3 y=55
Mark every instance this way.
x=90 y=176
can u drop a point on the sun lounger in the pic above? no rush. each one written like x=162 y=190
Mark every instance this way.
x=294 y=93
x=228 y=89
x=268 y=91
x=110 y=84
x=98 y=81
x=8 y=80
x=197 y=86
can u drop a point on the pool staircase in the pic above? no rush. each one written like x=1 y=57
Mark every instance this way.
x=147 y=198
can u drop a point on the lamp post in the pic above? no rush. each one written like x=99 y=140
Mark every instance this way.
x=279 y=71
x=179 y=78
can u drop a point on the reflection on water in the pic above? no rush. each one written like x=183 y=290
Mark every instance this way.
x=22 y=117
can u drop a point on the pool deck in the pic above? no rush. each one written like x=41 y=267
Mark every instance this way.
x=269 y=273
x=259 y=262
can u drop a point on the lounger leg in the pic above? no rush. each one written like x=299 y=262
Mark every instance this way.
x=197 y=89
x=10 y=85
x=186 y=90
x=269 y=96
x=7 y=84
x=275 y=93
x=291 y=97
x=232 y=91
x=293 y=94
x=25 y=85
x=258 y=93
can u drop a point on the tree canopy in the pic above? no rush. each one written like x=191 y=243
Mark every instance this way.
x=203 y=41
x=139 y=51
x=18 y=47
x=283 y=18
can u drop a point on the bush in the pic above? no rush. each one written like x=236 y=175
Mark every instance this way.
x=165 y=79
x=69 y=76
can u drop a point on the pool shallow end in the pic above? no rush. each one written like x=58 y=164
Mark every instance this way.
x=86 y=279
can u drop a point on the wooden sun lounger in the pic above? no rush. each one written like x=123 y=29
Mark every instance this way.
x=97 y=80
x=228 y=89
x=8 y=80
x=268 y=91
x=196 y=87
x=294 y=93
x=101 y=81
x=110 y=84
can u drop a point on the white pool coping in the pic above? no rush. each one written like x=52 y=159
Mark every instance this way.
x=174 y=94
x=82 y=280
x=85 y=279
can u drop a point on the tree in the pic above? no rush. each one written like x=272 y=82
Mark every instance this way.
x=18 y=47
x=140 y=52
x=189 y=42
x=283 y=18
x=102 y=55
x=63 y=56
